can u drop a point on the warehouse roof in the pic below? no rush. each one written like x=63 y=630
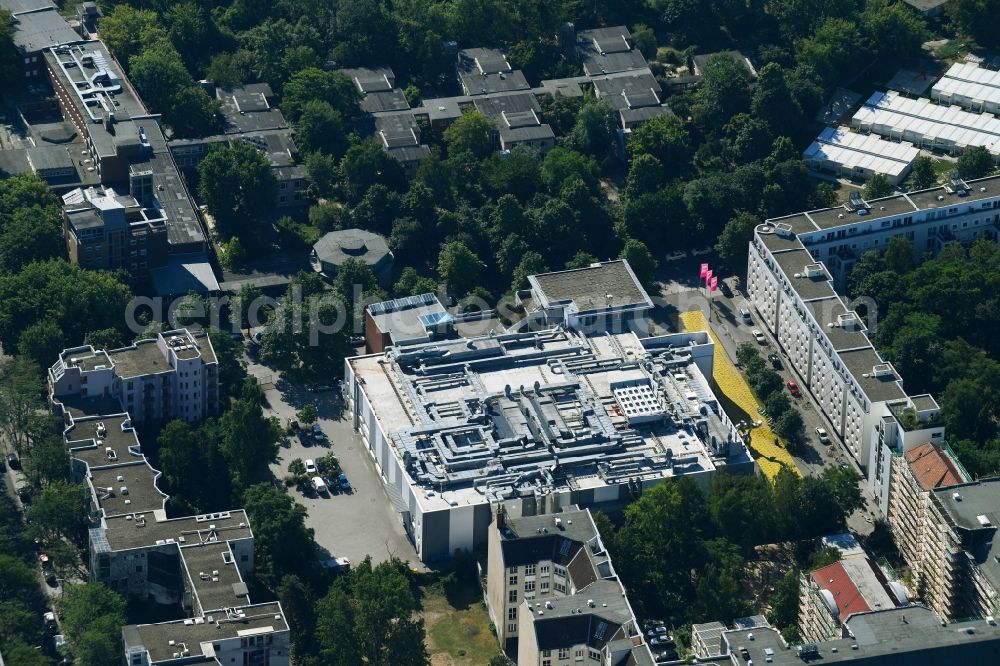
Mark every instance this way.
x=600 y=286
x=842 y=147
x=39 y=27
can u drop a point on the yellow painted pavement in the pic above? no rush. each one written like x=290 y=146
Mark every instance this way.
x=733 y=386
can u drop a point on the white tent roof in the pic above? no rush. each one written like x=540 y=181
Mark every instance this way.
x=839 y=145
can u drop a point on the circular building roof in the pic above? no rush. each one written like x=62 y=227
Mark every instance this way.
x=337 y=247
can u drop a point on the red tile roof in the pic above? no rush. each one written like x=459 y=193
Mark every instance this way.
x=845 y=593
x=932 y=467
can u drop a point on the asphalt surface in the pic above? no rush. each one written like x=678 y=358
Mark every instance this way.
x=347 y=525
x=681 y=291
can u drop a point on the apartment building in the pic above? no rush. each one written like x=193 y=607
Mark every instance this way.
x=173 y=376
x=36 y=26
x=795 y=262
x=910 y=636
x=831 y=594
x=105 y=230
x=915 y=474
x=197 y=563
x=553 y=595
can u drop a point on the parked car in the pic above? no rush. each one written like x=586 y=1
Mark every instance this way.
x=318 y=434
x=745 y=315
x=304 y=438
x=331 y=484
x=337 y=564
x=745 y=653
x=824 y=437
x=793 y=388
x=661 y=641
x=345 y=485
x=319 y=485
x=775 y=361
x=236 y=337
x=311 y=469
x=12 y=461
x=759 y=337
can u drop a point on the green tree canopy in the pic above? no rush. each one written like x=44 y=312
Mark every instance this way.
x=473 y=132
x=239 y=188
x=976 y=162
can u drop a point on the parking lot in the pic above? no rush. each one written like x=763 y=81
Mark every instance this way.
x=347 y=525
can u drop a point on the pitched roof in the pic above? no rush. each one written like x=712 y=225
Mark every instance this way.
x=932 y=467
x=846 y=594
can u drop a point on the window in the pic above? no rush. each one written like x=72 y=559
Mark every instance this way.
x=512 y=580
x=564 y=653
x=512 y=570
x=546 y=662
x=545 y=569
x=529 y=570
x=511 y=628
x=545 y=586
x=512 y=597
x=529 y=586
x=595 y=655
x=512 y=613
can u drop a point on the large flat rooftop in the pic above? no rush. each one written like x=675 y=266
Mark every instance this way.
x=808 y=286
x=197 y=634
x=878 y=380
x=89 y=438
x=829 y=313
x=143 y=529
x=597 y=287
x=214 y=576
x=974 y=509
x=139 y=482
x=475 y=420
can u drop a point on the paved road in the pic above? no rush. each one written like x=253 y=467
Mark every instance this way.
x=680 y=291
x=355 y=525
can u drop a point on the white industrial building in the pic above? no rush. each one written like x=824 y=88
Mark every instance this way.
x=859 y=156
x=970 y=86
x=793 y=265
x=539 y=420
x=926 y=124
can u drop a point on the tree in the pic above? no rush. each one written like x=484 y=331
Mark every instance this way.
x=734 y=241
x=595 y=129
x=320 y=128
x=314 y=84
x=724 y=90
x=789 y=425
x=249 y=442
x=459 y=267
x=18 y=581
x=49 y=462
x=60 y=512
x=192 y=113
x=976 y=18
x=640 y=259
x=832 y=49
x=238 y=186
x=30 y=234
x=772 y=101
x=878 y=186
x=281 y=537
x=16 y=651
x=922 y=173
x=127 y=31
x=667 y=139
x=369 y=618
x=73 y=300
x=307 y=414
x=411 y=283
x=645 y=40
x=472 y=132
x=366 y=164
x=92 y=617
x=976 y=162
x=20 y=400
x=531 y=263
x=9 y=53
x=581 y=260
x=894 y=30
x=785 y=602
x=562 y=164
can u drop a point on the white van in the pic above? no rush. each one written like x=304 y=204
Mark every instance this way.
x=745 y=315
x=319 y=486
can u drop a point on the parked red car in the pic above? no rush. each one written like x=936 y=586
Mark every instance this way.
x=793 y=388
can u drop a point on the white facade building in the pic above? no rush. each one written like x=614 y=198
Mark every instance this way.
x=539 y=420
x=174 y=376
x=970 y=86
x=794 y=263
x=859 y=156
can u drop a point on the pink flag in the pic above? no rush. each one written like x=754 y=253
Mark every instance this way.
x=708 y=277
x=704 y=271
x=714 y=284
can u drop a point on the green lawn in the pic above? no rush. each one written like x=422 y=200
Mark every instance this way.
x=458 y=630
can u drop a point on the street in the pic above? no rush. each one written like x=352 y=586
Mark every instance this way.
x=681 y=291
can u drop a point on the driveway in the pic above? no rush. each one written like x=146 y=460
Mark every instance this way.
x=347 y=525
